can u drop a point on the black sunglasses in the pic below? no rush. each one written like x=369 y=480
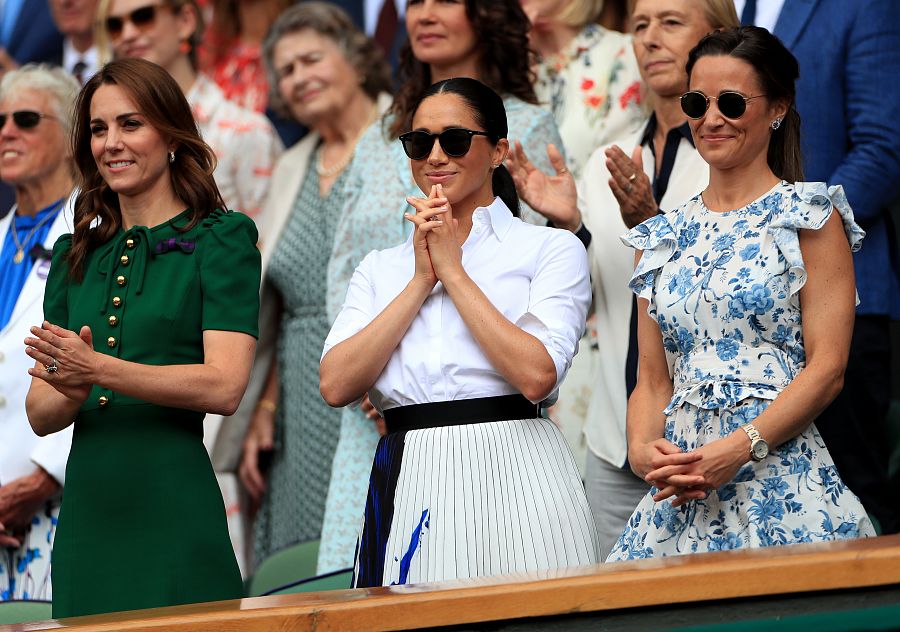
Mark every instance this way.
x=731 y=104
x=455 y=142
x=24 y=119
x=143 y=18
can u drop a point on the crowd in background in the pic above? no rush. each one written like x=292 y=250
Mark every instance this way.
x=303 y=105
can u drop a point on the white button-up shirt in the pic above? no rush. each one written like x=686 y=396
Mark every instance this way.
x=537 y=277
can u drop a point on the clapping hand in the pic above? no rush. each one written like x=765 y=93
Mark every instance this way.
x=630 y=185
x=68 y=359
x=553 y=196
x=436 y=235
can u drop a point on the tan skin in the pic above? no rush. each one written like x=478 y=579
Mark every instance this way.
x=456 y=186
x=736 y=153
x=324 y=92
x=133 y=159
x=664 y=33
x=36 y=162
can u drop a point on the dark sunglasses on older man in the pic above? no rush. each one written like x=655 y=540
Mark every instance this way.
x=455 y=142
x=143 y=18
x=24 y=119
x=731 y=104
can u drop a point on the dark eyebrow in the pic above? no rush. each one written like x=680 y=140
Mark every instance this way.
x=120 y=117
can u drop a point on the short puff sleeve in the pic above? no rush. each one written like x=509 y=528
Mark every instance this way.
x=809 y=208
x=230 y=271
x=56 y=291
x=657 y=239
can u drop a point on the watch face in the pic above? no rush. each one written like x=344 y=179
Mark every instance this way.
x=760 y=450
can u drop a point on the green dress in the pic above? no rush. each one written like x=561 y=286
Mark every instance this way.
x=142 y=523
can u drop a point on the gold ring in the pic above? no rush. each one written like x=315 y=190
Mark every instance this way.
x=563 y=170
x=632 y=177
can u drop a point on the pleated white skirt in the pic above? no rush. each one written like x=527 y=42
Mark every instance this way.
x=474 y=500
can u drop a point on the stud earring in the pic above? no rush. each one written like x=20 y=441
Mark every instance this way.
x=776 y=124
x=171 y=157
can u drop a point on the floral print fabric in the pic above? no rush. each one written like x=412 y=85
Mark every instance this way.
x=724 y=289
x=594 y=90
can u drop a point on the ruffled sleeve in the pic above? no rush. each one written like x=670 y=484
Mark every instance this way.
x=229 y=264
x=657 y=239
x=56 y=292
x=809 y=208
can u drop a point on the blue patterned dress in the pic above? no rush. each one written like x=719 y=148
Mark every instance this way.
x=724 y=288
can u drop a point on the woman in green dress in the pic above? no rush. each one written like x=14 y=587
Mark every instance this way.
x=150 y=322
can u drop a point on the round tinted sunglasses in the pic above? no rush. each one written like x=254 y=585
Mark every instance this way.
x=731 y=104
x=24 y=119
x=142 y=18
x=455 y=142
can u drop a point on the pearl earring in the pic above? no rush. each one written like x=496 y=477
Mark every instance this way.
x=171 y=157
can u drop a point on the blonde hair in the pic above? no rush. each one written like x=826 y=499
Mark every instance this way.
x=578 y=13
x=720 y=14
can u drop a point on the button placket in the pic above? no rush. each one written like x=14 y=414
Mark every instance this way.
x=117 y=303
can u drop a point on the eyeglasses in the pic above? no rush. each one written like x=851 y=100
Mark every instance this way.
x=143 y=18
x=24 y=119
x=731 y=104
x=455 y=142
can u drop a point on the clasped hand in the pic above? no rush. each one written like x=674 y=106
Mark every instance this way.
x=437 y=251
x=72 y=353
x=688 y=475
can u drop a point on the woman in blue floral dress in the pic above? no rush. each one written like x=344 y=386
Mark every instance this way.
x=732 y=370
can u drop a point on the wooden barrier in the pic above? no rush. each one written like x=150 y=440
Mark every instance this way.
x=806 y=568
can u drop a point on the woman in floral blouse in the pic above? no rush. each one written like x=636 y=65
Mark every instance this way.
x=586 y=75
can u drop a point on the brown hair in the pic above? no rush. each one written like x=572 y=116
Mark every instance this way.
x=777 y=70
x=504 y=59
x=157 y=96
x=332 y=22
x=226 y=25
x=578 y=13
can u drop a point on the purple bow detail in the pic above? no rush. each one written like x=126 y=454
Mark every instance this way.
x=168 y=245
x=38 y=252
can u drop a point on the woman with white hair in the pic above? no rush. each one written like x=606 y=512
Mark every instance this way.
x=35 y=160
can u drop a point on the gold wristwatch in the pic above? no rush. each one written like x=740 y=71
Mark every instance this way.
x=759 y=448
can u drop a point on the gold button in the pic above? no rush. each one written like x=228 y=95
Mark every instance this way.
x=117 y=301
x=129 y=243
x=103 y=400
x=110 y=342
x=113 y=321
x=124 y=260
x=120 y=280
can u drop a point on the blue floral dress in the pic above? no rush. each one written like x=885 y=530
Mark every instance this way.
x=724 y=288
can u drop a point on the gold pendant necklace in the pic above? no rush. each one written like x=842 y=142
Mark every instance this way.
x=19 y=257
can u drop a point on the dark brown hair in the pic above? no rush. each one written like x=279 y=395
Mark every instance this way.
x=777 y=70
x=226 y=26
x=504 y=59
x=330 y=21
x=159 y=99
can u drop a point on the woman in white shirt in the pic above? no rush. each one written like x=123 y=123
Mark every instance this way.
x=458 y=335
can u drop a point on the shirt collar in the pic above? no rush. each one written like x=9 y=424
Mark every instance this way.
x=72 y=57
x=684 y=129
x=499 y=216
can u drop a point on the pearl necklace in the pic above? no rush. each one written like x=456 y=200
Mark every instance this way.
x=340 y=165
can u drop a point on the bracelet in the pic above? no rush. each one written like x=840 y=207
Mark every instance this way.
x=267 y=404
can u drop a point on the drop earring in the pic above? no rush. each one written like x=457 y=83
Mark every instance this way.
x=171 y=157
x=776 y=124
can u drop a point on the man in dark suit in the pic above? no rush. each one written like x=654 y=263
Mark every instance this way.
x=27 y=33
x=848 y=97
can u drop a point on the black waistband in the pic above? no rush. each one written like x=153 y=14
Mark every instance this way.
x=459 y=412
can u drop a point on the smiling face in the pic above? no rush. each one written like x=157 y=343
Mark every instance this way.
x=466 y=180
x=314 y=78
x=664 y=33
x=440 y=32
x=131 y=155
x=160 y=40
x=31 y=155
x=727 y=143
